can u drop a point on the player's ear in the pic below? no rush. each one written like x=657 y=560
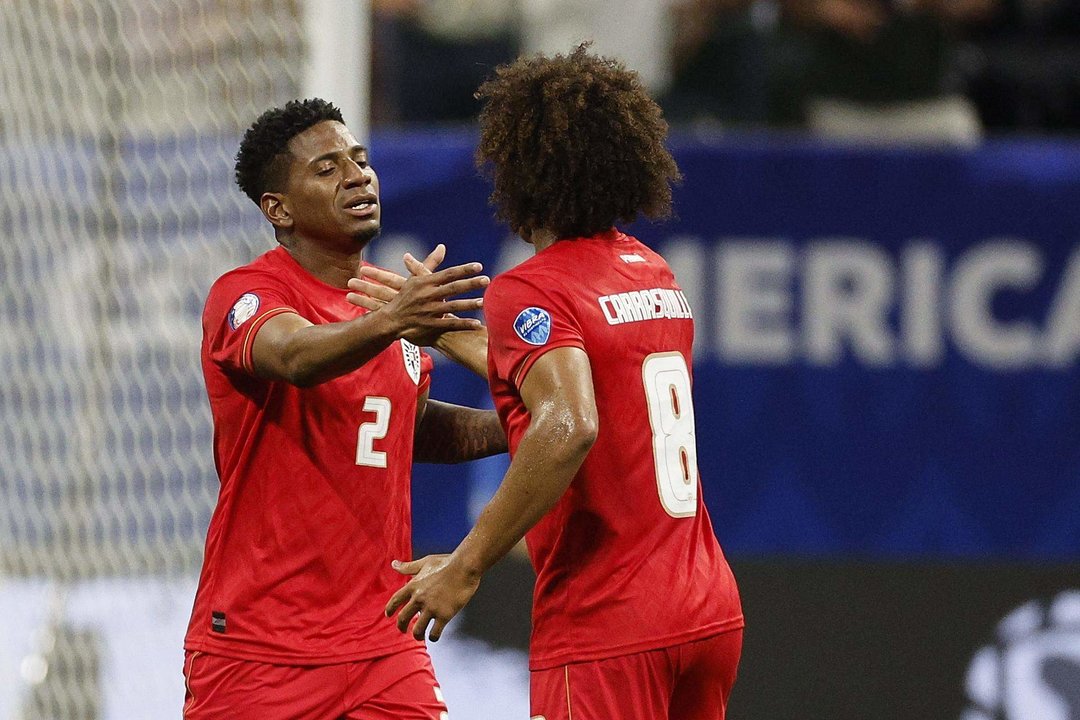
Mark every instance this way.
x=276 y=209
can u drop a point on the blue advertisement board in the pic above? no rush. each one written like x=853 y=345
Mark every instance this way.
x=885 y=360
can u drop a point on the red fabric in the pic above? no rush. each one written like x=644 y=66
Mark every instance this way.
x=616 y=572
x=396 y=687
x=299 y=546
x=690 y=681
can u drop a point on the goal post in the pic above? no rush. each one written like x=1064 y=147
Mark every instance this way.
x=118 y=132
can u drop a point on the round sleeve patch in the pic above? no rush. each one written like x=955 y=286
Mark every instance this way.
x=244 y=308
x=533 y=325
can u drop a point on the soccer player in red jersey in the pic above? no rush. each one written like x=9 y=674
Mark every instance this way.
x=636 y=613
x=319 y=410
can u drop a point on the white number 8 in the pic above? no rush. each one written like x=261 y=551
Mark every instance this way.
x=671 y=415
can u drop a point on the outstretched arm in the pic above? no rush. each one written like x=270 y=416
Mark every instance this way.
x=558 y=393
x=288 y=347
x=451 y=434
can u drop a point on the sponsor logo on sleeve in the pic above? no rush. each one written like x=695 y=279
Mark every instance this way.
x=244 y=308
x=533 y=325
x=411 y=354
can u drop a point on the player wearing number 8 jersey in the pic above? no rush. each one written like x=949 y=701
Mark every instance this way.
x=636 y=613
x=626 y=560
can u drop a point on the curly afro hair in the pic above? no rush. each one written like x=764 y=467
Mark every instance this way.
x=573 y=144
x=259 y=162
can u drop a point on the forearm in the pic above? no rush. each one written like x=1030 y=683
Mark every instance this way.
x=548 y=458
x=467 y=348
x=452 y=433
x=317 y=353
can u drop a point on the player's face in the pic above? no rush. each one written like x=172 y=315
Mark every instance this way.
x=332 y=192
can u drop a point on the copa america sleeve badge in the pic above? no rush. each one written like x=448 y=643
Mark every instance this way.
x=243 y=309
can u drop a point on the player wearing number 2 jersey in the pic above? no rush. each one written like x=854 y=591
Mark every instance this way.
x=636 y=613
x=319 y=409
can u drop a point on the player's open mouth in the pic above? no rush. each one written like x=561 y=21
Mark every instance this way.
x=361 y=208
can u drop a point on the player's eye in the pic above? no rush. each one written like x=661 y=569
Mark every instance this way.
x=324 y=170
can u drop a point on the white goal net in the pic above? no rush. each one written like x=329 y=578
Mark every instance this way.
x=119 y=121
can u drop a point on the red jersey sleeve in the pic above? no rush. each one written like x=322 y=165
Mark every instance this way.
x=524 y=322
x=238 y=305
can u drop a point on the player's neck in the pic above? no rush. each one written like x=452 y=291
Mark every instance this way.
x=541 y=238
x=332 y=267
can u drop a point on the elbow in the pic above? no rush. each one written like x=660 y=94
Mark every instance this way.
x=575 y=435
x=585 y=434
x=297 y=367
x=300 y=374
x=302 y=379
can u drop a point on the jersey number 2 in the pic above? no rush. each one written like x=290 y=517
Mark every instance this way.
x=366 y=454
x=671 y=415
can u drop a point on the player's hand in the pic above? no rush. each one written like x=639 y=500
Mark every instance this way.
x=374 y=287
x=440 y=587
x=419 y=305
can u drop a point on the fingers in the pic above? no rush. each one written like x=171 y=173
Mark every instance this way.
x=411 y=567
x=437 y=630
x=464 y=305
x=383 y=277
x=453 y=324
x=406 y=615
x=421 y=624
x=397 y=600
x=455 y=273
x=432 y=261
x=364 y=301
x=379 y=292
x=457 y=287
x=415 y=267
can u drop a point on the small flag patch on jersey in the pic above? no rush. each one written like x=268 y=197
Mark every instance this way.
x=244 y=308
x=533 y=325
x=217 y=621
x=632 y=258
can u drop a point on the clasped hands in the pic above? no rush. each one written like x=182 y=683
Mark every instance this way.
x=421 y=305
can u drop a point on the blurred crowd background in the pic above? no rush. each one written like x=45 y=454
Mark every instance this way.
x=933 y=70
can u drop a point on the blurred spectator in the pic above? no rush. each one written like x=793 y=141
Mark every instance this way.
x=880 y=69
x=1022 y=66
x=637 y=32
x=720 y=59
x=431 y=55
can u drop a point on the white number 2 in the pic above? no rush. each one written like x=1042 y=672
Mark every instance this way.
x=366 y=454
x=671 y=414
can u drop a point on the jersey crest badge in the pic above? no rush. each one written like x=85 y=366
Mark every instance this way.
x=244 y=308
x=411 y=353
x=533 y=325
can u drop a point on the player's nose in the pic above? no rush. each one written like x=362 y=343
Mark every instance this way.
x=354 y=175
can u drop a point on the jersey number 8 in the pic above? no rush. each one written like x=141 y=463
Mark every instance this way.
x=671 y=415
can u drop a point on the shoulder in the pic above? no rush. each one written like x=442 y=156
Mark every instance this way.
x=246 y=284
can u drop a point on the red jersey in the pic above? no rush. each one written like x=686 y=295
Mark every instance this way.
x=627 y=560
x=315 y=498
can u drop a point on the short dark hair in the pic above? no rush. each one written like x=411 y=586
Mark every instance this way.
x=257 y=166
x=573 y=143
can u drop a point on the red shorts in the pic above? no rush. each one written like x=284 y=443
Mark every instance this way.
x=691 y=681
x=397 y=686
